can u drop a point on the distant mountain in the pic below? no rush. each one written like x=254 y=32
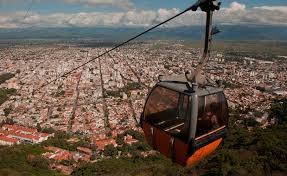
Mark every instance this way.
x=104 y=34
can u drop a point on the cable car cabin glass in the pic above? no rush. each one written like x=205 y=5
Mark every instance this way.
x=167 y=110
x=212 y=114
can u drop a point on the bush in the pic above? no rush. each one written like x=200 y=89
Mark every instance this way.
x=6 y=76
x=60 y=140
x=5 y=93
x=39 y=162
x=110 y=150
x=156 y=165
x=250 y=122
x=120 y=139
x=7 y=111
x=110 y=93
x=137 y=135
x=279 y=110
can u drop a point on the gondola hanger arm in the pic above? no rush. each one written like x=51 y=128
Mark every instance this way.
x=208 y=6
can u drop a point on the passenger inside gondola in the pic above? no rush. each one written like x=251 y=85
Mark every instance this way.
x=210 y=116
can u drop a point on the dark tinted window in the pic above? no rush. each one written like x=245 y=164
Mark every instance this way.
x=167 y=110
x=212 y=113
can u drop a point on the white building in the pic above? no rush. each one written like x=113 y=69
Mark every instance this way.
x=4 y=140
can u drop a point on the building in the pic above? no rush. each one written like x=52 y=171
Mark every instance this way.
x=22 y=134
x=4 y=140
x=18 y=128
x=101 y=144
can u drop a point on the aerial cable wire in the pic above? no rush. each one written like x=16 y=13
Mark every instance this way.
x=114 y=48
x=28 y=10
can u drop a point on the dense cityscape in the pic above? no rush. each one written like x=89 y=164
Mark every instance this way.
x=105 y=98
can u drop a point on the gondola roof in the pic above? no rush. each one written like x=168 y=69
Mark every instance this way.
x=181 y=85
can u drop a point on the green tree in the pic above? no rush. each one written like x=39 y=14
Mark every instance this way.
x=6 y=76
x=39 y=128
x=279 y=110
x=7 y=111
x=120 y=139
x=5 y=93
x=39 y=162
x=110 y=150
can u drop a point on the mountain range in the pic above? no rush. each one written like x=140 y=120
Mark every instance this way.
x=113 y=34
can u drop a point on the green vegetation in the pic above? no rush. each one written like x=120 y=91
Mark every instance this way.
x=24 y=160
x=7 y=111
x=61 y=140
x=5 y=93
x=126 y=149
x=6 y=76
x=243 y=152
x=111 y=93
x=134 y=149
x=261 y=152
x=154 y=165
x=7 y=121
x=110 y=150
x=59 y=93
x=230 y=85
x=167 y=66
x=279 y=110
x=256 y=152
x=250 y=122
x=55 y=116
x=130 y=86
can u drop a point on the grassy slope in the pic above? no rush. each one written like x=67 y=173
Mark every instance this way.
x=15 y=161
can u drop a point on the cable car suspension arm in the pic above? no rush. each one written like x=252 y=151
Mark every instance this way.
x=208 y=6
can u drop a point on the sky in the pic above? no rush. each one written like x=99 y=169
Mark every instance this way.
x=134 y=13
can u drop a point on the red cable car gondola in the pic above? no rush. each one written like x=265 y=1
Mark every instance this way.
x=185 y=123
x=183 y=119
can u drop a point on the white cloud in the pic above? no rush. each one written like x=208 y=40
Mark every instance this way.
x=236 y=13
x=239 y=14
x=124 y=4
x=136 y=18
x=273 y=8
x=235 y=6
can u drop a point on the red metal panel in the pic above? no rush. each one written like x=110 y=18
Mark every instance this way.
x=181 y=150
x=162 y=142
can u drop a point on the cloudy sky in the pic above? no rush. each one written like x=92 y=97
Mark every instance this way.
x=134 y=13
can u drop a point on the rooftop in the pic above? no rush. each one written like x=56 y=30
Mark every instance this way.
x=18 y=128
x=7 y=139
